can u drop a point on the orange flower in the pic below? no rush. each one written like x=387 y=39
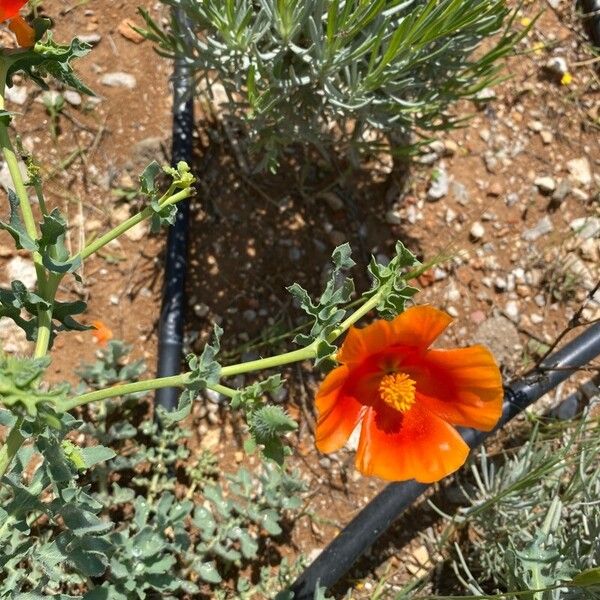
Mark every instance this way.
x=9 y=11
x=102 y=334
x=407 y=397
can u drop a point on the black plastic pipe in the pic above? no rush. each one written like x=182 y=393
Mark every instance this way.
x=591 y=19
x=364 y=530
x=170 y=329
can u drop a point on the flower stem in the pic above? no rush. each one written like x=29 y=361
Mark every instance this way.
x=129 y=223
x=301 y=354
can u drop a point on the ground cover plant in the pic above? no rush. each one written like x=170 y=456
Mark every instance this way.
x=100 y=498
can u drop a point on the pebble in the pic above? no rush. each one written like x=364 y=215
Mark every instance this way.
x=440 y=183
x=450 y=147
x=547 y=137
x=119 y=79
x=495 y=189
x=512 y=310
x=586 y=227
x=543 y=226
x=90 y=38
x=536 y=318
x=512 y=199
x=545 y=184
x=17 y=94
x=590 y=250
x=460 y=192
x=72 y=97
x=536 y=126
x=557 y=65
x=125 y=28
x=12 y=337
x=478 y=317
x=477 y=231
x=579 y=169
x=23 y=270
x=450 y=216
x=451 y=310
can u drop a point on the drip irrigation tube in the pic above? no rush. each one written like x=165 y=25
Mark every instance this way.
x=364 y=530
x=591 y=19
x=170 y=329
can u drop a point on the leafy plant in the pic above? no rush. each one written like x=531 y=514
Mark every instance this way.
x=336 y=73
x=533 y=525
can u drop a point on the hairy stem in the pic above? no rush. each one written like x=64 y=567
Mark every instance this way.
x=131 y=222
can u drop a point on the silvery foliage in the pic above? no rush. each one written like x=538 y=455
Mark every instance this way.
x=108 y=520
x=533 y=520
x=336 y=72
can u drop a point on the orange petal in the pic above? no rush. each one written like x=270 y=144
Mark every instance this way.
x=339 y=413
x=10 y=8
x=424 y=448
x=417 y=327
x=462 y=386
x=24 y=32
x=101 y=332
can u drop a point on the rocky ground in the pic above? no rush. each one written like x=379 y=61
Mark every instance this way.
x=510 y=204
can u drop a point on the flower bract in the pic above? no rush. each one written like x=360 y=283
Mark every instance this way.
x=407 y=397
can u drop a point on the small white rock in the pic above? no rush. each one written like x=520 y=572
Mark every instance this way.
x=512 y=310
x=477 y=231
x=545 y=184
x=119 y=79
x=580 y=171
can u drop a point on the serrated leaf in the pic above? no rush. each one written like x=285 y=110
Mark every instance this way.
x=15 y=226
x=204 y=370
x=48 y=58
x=389 y=281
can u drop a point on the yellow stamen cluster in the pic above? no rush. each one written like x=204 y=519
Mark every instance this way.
x=398 y=391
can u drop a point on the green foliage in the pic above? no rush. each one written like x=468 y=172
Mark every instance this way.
x=112 y=512
x=164 y=214
x=533 y=521
x=390 y=282
x=293 y=70
x=327 y=313
x=20 y=390
x=204 y=370
x=48 y=59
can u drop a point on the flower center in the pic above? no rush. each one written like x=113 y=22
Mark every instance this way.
x=398 y=391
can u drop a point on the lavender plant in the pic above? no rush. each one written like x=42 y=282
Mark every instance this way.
x=533 y=526
x=340 y=75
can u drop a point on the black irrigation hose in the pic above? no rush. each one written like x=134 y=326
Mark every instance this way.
x=591 y=19
x=170 y=329
x=364 y=530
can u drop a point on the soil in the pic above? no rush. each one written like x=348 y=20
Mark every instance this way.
x=252 y=235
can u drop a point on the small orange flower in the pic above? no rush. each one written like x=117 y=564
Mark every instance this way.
x=9 y=11
x=407 y=397
x=102 y=334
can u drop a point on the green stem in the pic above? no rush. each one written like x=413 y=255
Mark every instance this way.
x=11 y=446
x=129 y=223
x=44 y=331
x=254 y=365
